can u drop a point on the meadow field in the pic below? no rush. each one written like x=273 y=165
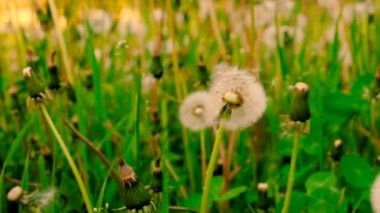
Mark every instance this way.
x=190 y=106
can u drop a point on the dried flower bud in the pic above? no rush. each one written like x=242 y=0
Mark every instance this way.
x=27 y=72
x=299 y=109
x=34 y=84
x=156 y=69
x=136 y=196
x=337 y=143
x=15 y=193
x=54 y=83
x=263 y=187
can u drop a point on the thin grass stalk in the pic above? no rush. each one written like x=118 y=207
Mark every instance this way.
x=61 y=42
x=68 y=157
x=216 y=30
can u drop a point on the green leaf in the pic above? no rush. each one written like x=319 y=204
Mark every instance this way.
x=231 y=194
x=356 y=171
x=323 y=200
x=320 y=180
x=342 y=104
x=297 y=203
x=216 y=187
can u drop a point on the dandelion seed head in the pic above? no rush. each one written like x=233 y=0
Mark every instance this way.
x=195 y=109
x=100 y=21
x=243 y=90
x=39 y=199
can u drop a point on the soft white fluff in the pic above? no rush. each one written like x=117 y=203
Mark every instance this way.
x=230 y=79
x=201 y=119
x=100 y=21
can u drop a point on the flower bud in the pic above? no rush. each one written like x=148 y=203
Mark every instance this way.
x=34 y=84
x=299 y=109
x=15 y=193
x=156 y=69
x=136 y=196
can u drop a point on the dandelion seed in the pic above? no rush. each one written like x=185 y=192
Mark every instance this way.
x=375 y=195
x=37 y=200
x=237 y=96
x=195 y=111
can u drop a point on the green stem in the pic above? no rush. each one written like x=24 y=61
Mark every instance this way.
x=203 y=155
x=289 y=187
x=66 y=152
x=210 y=170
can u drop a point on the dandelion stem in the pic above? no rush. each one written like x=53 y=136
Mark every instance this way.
x=210 y=170
x=90 y=145
x=203 y=155
x=66 y=152
x=373 y=126
x=293 y=161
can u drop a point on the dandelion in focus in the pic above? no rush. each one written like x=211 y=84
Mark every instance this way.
x=237 y=96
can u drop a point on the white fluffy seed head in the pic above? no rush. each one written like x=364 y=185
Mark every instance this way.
x=229 y=79
x=195 y=111
x=375 y=195
x=15 y=193
x=100 y=21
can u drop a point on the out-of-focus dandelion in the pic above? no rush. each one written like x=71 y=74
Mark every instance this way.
x=130 y=22
x=195 y=112
x=147 y=83
x=359 y=10
x=286 y=34
x=237 y=96
x=100 y=21
x=34 y=201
